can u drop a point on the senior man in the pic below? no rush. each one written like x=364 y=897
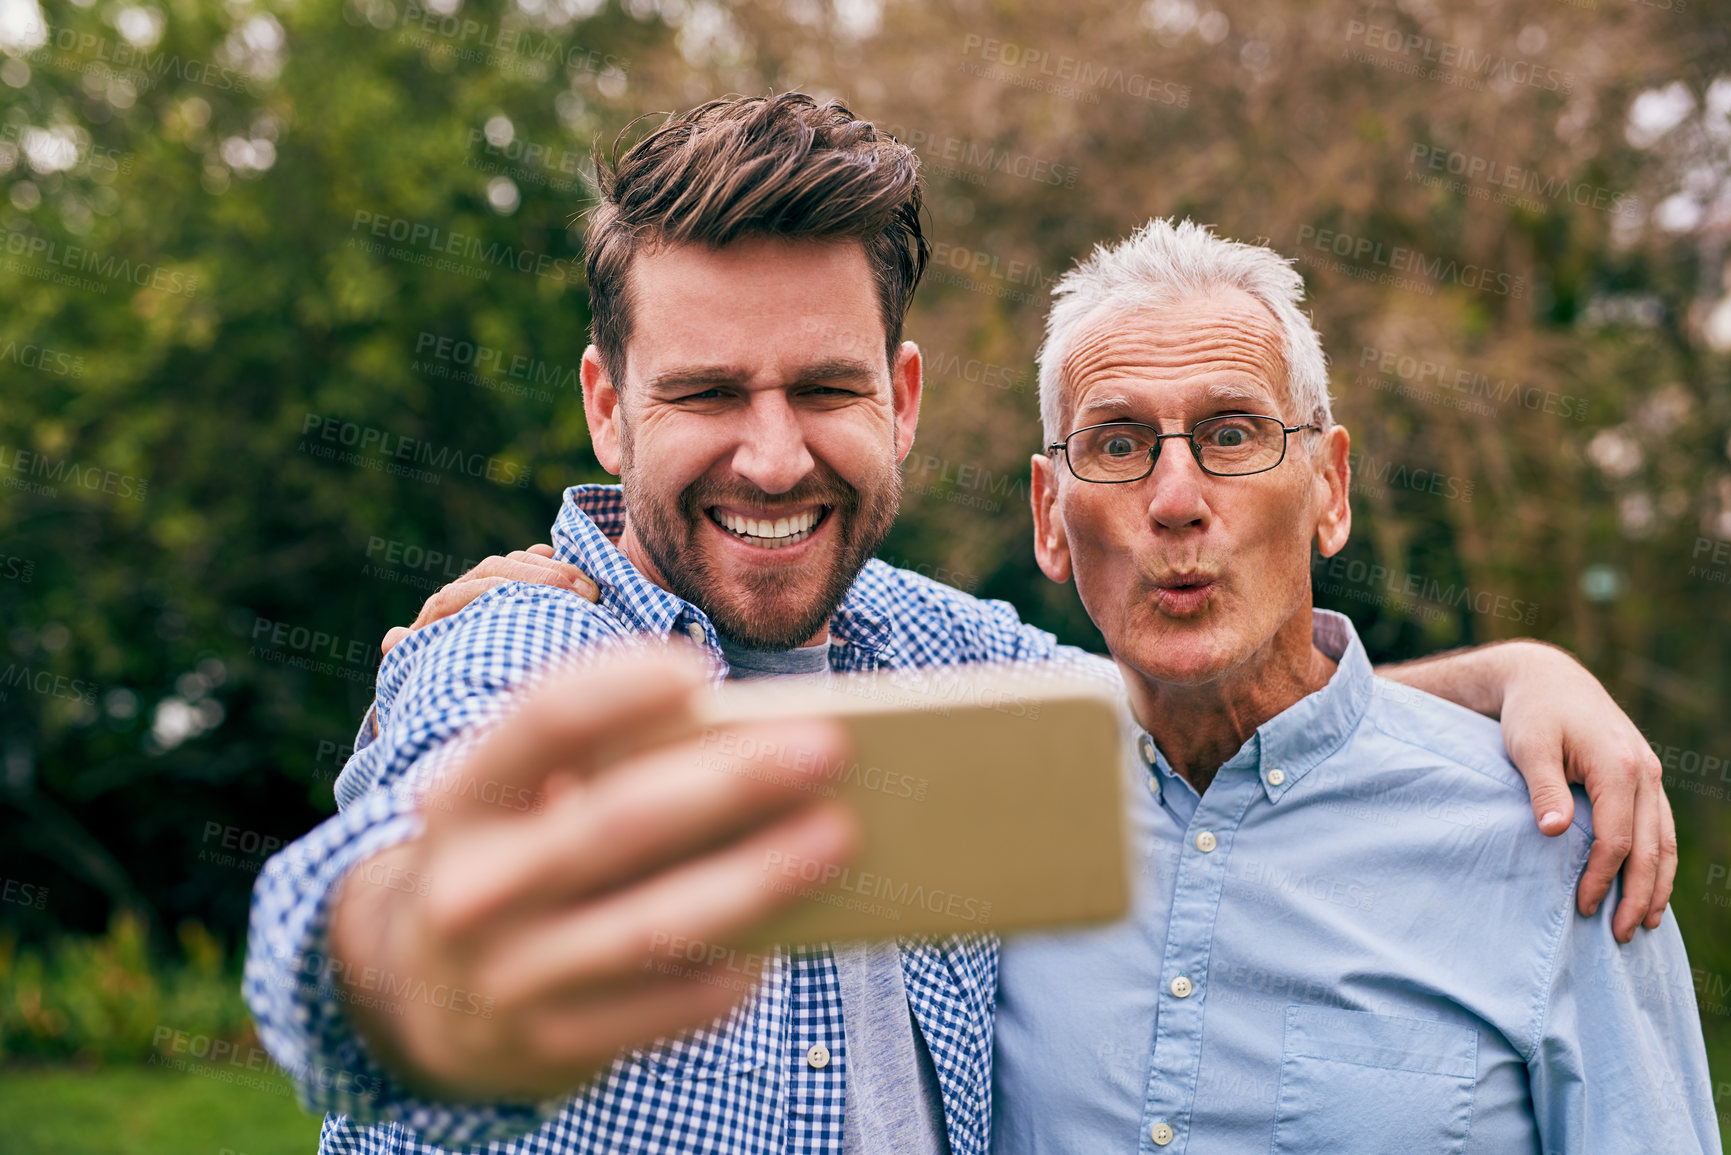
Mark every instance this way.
x=749 y=270
x=1342 y=939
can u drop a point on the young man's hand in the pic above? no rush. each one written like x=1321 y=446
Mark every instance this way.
x=582 y=874
x=1560 y=726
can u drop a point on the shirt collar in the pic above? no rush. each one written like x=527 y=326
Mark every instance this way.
x=592 y=517
x=1305 y=734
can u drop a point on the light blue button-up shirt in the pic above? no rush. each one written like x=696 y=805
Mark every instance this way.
x=1353 y=942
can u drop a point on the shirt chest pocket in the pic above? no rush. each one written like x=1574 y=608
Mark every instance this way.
x=736 y=1046
x=1355 y=1083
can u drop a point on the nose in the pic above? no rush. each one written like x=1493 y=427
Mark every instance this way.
x=772 y=453
x=1176 y=500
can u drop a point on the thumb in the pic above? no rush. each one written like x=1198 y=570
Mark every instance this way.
x=392 y=636
x=1540 y=762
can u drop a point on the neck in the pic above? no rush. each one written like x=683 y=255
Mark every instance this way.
x=632 y=547
x=1201 y=725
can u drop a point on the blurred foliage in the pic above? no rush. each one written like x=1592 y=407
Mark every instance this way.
x=104 y=999
x=197 y=239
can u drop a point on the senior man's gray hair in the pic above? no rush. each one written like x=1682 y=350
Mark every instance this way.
x=1163 y=262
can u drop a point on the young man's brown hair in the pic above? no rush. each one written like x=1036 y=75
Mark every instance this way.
x=781 y=166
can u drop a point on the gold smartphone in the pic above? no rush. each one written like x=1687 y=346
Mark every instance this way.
x=991 y=799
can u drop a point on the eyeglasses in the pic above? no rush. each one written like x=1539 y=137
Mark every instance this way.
x=1234 y=445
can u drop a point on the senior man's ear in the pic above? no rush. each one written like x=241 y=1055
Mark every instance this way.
x=1332 y=464
x=601 y=410
x=1051 y=548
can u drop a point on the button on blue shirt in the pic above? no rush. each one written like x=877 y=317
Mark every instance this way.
x=1353 y=942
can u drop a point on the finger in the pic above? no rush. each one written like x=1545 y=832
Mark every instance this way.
x=453 y=598
x=1613 y=835
x=1641 y=871
x=538 y=569
x=644 y=815
x=544 y=561
x=713 y=900
x=528 y=567
x=392 y=636
x=1540 y=761
x=530 y=557
x=543 y=549
x=570 y=1041
x=495 y=572
x=1667 y=864
x=579 y=721
x=559 y=1044
x=564 y=572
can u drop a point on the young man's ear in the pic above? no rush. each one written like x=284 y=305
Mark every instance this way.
x=905 y=385
x=1333 y=469
x=1051 y=547
x=601 y=409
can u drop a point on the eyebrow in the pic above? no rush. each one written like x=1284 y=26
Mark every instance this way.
x=1099 y=403
x=1227 y=394
x=833 y=369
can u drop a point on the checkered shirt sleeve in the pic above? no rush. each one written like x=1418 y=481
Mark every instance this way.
x=740 y=1085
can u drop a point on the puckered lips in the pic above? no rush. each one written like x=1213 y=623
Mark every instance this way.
x=770 y=529
x=1185 y=595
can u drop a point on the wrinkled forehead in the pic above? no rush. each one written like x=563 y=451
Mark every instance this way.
x=1224 y=339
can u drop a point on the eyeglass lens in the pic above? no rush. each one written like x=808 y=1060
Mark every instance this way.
x=1232 y=444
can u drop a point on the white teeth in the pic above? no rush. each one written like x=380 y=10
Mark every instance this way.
x=766 y=533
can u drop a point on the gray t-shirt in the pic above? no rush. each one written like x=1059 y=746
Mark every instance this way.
x=894 y=1105
x=744 y=662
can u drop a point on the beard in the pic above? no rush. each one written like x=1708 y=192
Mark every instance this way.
x=777 y=607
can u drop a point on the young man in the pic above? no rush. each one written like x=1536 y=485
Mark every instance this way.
x=749 y=271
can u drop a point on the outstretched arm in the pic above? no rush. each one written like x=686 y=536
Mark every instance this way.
x=1561 y=726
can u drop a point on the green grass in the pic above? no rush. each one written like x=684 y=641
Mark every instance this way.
x=150 y=1111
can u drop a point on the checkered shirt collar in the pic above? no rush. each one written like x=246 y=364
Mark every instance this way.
x=591 y=519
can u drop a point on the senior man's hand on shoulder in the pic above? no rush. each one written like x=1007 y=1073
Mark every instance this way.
x=536 y=565
x=571 y=919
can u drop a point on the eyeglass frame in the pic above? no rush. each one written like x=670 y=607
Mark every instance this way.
x=1189 y=435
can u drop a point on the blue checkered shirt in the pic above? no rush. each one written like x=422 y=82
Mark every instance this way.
x=740 y=1085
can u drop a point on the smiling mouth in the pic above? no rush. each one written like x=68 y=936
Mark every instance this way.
x=770 y=532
